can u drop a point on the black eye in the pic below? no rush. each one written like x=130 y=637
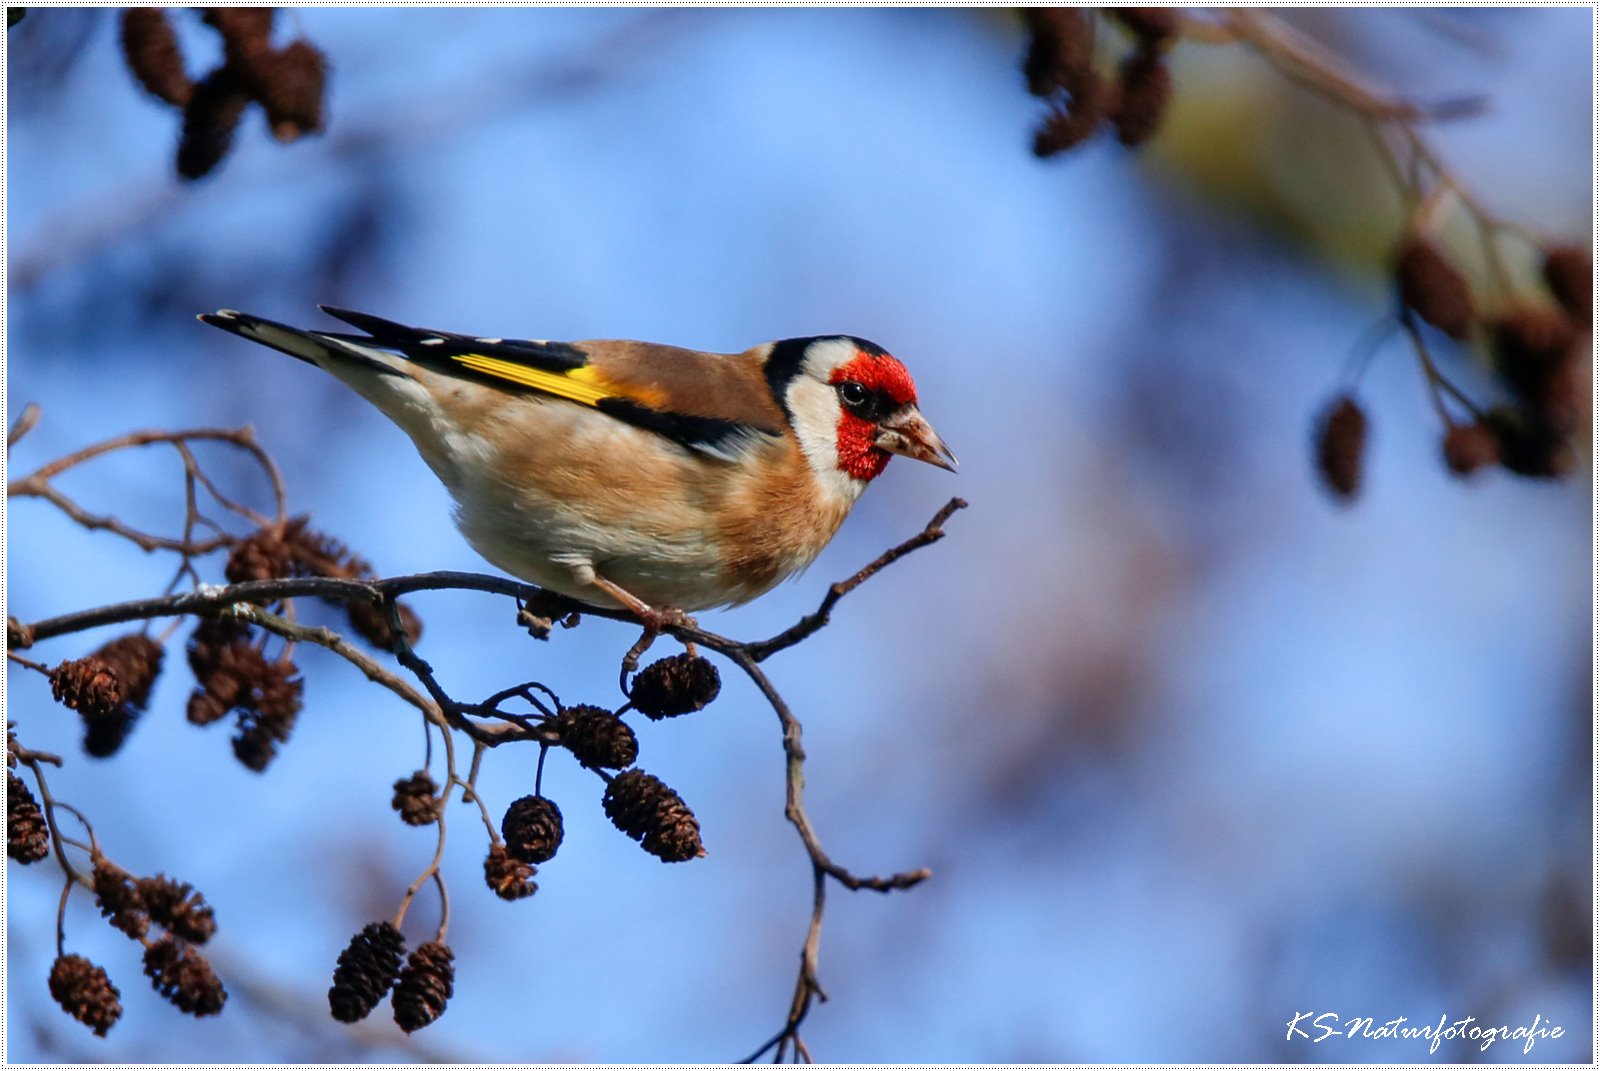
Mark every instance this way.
x=853 y=394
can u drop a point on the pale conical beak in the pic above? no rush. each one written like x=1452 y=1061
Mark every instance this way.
x=907 y=432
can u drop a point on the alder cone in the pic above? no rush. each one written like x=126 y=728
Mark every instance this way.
x=1145 y=86
x=367 y=967
x=1341 y=446
x=596 y=737
x=27 y=832
x=1434 y=288
x=426 y=984
x=532 y=829
x=650 y=812
x=1569 y=272
x=673 y=686
x=151 y=50
x=85 y=992
x=1470 y=447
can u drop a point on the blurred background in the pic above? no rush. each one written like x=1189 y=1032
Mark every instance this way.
x=1189 y=747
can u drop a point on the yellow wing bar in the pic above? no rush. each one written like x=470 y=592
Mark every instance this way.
x=583 y=385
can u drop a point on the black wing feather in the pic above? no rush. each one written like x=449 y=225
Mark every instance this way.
x=436 y=348
x=711 y=435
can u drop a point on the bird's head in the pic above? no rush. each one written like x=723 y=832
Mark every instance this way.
x=851 y=405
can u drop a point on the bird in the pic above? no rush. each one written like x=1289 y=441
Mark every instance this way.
x=632 y=475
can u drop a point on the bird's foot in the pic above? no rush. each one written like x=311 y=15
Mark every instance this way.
x=654 y=618
x=660 y=619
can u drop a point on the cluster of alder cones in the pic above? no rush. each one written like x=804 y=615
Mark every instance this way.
x=110 y=689
x=167 y=917
x=531 y=832
x=1060 y=67
x=288 y=83
x=1537 y=344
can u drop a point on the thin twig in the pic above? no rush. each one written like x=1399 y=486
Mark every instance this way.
x=1306 y=61
x=932 y=533
x=244 y=602
x=25 y=423
x=37 y=485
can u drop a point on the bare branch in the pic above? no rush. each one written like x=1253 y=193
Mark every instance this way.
x=25 y=423
x=818 y=618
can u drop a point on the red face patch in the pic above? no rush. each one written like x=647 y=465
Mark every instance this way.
x=878 y=374
x=858 y=453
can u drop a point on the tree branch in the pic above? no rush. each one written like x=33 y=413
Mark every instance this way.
x=817 y=619
x=248 y=602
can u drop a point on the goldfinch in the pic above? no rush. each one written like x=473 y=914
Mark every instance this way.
x=632 y=474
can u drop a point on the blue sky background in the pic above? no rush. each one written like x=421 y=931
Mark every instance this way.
x=1188 y=747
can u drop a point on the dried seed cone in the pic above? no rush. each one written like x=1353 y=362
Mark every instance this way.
x=425 y=987
x=281 y=551
x=596 y=737
x=268 y=718
x=27 y=832
x=88 y=686
x=417 y=799
x=1532 y=347
x=135 y=660
x=651 y=813
x=1155 y=27
x=532 y=829
x=677 y=685
x=1529 y=445
x=246 y=42
x=366 y=969
x=1341 y=445
x=184 y=977
x=371 y=622
x=120 y=898
x=226 y=666
x=263 y=555
x=85 y=992
x=1470 y=447
x=1060 y=48
x=210 y=644
x=205 y=708
x=1433 y=287
x=1145 y=85
x=264 y=729
x=209 y=121
x=177 y=906
x=104 y=737
x=511 y=879
x=234 y=674
x=1075 y=121
x=151 y=50
x=292 y=90
x=1569 y=272
x=295 y=549
x=240 y=24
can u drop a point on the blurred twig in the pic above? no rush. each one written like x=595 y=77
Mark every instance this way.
x=1305 y=60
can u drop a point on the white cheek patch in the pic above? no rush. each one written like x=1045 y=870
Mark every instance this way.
x=814 y=408
x=825 y=356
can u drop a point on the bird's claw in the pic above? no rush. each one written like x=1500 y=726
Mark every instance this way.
x=663 y=618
